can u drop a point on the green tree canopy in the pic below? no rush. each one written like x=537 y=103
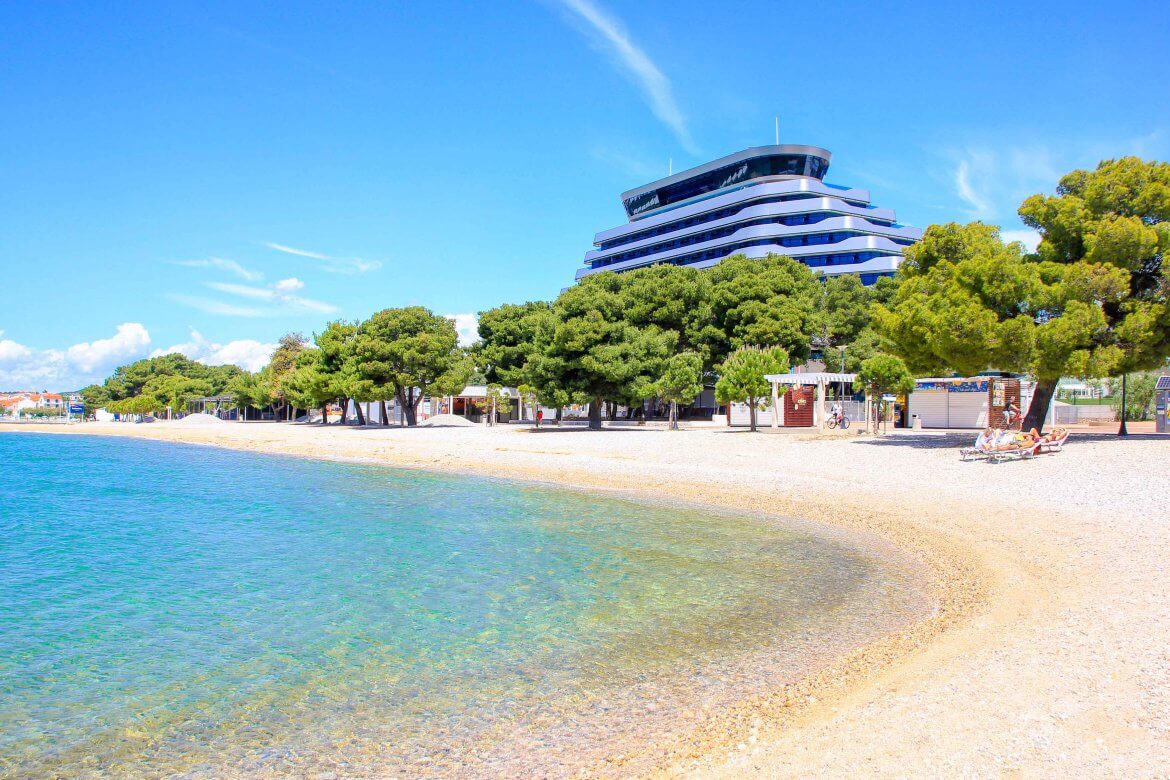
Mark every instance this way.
x=336 y=362
x=129 y=380
x=94 y=397
x=281 y=366
x=770 y=300
x=508 y=338
x=591 y=353
x=967 y=310
x=411 y=352
x=310 y=385
x=842 y=311
x=1105 y=235
x=674 y=299
x=249 y=390
x=741 y=376
x=170 y=390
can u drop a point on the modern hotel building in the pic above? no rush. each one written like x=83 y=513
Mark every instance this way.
x=767 y=199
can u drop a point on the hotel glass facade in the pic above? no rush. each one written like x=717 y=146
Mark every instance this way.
x=767 y=199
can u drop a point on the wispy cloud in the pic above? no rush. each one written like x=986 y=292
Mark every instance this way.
x=975 y=200
x=279 y=293
x=611 y=36
x=294 y=251
x=634 y=167
x=212 y=306
x=330 y=263
x=220 y=263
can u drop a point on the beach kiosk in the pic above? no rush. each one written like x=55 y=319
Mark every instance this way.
x=804 y=397
x=1162 y=405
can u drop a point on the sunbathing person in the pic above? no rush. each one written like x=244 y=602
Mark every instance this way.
x=1005 y=440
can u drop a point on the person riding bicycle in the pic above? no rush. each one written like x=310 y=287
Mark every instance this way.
x=837 y=412
x=1011 y=413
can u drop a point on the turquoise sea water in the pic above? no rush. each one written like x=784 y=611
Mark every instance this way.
x=171 y=610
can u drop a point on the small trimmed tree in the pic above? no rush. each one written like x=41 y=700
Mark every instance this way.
x=495 y=402
x=742 y=375
x=883 y=374
x=311 y=385
x=680 y=383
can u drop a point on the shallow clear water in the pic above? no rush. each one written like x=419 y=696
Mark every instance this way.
x=177 y=610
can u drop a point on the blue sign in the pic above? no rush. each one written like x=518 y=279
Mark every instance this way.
x=76 y=408
x=955 y=385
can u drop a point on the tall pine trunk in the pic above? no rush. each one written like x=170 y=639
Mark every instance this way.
x=595 y=415
x=324 y=414
x=410 y=407
x=344 y=409
x=385 y=417
x=674 y=415
x=361 y=417
x=1038 y=407
x=752 y=411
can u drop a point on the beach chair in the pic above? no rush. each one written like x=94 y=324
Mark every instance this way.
x=1025 y=451
x=1055 y=443
x=981 y=449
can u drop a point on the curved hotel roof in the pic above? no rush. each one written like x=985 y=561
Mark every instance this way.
x=766 y=199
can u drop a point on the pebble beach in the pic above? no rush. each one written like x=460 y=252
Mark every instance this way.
x=1047 y=654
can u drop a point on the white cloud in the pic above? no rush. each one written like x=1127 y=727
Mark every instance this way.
x=224 y=265
x=467 y=326
x=288 y=250
x=211 y=306
x=632 y=166
x=335 y=265
x=981 y=208
x=279 y=293
x=1029 y=238
x=288 y=285
x=131 y=340
x=613 y=38
x=246 y=353
x=278 y=297
x=25 y=368
x=12 y=353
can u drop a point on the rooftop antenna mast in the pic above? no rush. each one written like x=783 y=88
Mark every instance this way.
x=777 y=129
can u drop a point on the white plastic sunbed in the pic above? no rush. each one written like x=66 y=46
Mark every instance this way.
x=1054 y=445
x=982 y=449
x=1023 y=452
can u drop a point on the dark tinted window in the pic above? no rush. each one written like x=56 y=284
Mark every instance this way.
x=728 y=176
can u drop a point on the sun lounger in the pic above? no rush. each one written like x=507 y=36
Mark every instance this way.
x=978 y=452
x=1023 y=452
x=1055 y=443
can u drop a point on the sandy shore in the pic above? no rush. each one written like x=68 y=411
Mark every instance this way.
x=1049 y=653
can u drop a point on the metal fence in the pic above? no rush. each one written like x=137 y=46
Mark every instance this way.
x=1068 y=414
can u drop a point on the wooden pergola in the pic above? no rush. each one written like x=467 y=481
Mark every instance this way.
x=818 y=380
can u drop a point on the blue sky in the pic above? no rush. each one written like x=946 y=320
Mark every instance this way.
x=211 y=176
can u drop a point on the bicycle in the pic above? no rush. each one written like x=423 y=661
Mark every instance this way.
x=838 y=420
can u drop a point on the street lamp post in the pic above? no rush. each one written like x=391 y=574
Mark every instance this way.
x=1122 y=431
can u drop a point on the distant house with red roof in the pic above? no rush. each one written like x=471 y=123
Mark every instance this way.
x=15 y=403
